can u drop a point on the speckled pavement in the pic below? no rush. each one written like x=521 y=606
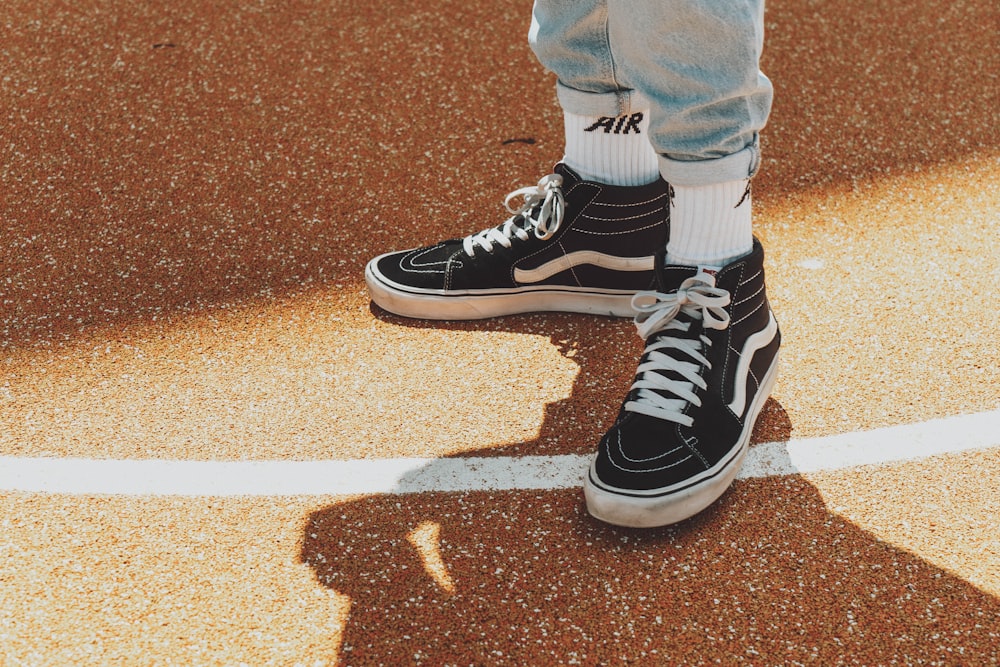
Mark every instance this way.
x=189 y=193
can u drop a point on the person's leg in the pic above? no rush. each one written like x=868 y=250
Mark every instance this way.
x=606 y=125
x=711 y=339
x=697 y=63
x=583 y=240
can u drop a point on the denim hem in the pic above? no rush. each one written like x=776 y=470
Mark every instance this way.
x=735 y=167
x=613 y=103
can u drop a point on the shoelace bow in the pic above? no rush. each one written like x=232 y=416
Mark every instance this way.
x=656 y=394
x=545 y=200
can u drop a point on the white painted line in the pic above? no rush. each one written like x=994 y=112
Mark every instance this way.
x=893 y=444
x=381 y=476
x=291 y=478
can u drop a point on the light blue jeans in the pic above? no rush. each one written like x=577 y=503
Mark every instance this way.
x=694 y=64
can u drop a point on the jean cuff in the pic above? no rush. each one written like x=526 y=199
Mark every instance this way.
x=612 y=104
x=735 y=167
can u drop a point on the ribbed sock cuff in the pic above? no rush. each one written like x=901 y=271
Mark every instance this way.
x=710 y=224
x=614 y=151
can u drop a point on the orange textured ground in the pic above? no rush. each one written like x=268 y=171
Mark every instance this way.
x=189 y=192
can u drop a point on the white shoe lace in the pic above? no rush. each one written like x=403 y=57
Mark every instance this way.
x=655 y=394
x=547 y=196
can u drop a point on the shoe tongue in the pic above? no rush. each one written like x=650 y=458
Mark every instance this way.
x=708 y=273
x=670 y=276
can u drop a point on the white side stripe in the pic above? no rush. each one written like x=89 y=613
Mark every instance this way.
x=412 y=475
x=580 y=258
x=759 y=340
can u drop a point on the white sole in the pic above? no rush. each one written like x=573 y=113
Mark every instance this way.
x=662 y=507
x=482 y=304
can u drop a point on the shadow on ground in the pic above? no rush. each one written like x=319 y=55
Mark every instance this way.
x=767 y=574
x=520 y=577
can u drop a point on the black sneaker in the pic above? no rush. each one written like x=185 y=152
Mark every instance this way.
x=572 y=246
x=710 y=361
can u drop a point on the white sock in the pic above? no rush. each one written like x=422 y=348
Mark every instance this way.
x=614 y=151
x=710 y=224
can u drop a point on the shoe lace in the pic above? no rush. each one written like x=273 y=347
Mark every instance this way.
x=672 y=365
x=541 y=212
